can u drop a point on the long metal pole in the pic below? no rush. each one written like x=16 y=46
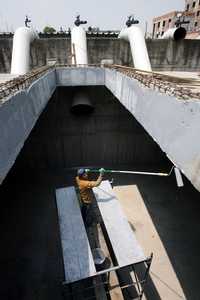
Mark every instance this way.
x=132 y=172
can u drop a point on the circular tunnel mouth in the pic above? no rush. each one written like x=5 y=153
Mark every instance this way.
x=82 y=109
x=180 y=34
x=81 y=104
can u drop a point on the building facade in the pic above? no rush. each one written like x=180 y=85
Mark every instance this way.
x=193 y=7
x=163 y=23
x=191 y=14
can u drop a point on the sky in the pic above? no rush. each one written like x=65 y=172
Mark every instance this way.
x=105 y=14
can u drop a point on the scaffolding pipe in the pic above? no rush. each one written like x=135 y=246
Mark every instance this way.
x=23 y=37
x=135 y=37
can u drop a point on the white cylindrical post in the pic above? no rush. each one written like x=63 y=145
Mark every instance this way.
x=79 y=46
x=140 y=56
x=23 y=37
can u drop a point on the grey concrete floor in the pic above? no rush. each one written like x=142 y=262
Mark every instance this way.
x=30 y=253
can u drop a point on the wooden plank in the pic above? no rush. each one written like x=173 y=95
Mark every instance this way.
x=77 y=256
x=125 y=246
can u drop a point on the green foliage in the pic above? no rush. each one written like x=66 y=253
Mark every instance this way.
x=49 y=30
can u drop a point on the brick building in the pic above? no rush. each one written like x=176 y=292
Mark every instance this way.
x=191 y=14
x=193 y=7
x=163 y=23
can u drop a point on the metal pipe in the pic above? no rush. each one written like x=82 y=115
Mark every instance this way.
x=176 y=33
x=132 y=172
x=23 y=37
x=135 y=37
x=79 y=46
x=179 y=179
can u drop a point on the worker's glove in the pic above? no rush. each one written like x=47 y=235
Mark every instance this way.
x=102 y=171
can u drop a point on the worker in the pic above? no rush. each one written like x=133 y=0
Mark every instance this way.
x=85 y=188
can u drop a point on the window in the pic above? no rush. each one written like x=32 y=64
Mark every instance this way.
x=199 y=2
x=163 y=24
x=154 y=27
x=188 y=6
x=158 y=24
x=162 y=33
x=170 y=20
x=195 y=24
x=193 y=4
x=198 y=13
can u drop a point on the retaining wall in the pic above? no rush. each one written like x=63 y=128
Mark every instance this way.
x=164 y=54
x=173 y=124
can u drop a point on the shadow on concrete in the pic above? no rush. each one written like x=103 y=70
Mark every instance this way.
x=131 y=292
x=30 y=252
x=175 y=214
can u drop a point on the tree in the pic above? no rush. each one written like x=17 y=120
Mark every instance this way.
x=49 y=30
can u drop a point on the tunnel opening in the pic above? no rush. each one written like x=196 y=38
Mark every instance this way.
x=180 y=34
x=81 y=104
x=60 y=142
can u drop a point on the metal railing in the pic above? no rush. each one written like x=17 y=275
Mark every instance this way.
x=22 y=82
x=181 y=88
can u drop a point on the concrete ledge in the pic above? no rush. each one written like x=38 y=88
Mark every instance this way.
x=173 y=124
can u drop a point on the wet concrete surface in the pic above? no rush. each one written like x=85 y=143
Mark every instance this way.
x=31 y=255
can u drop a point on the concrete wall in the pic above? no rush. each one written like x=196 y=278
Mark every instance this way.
x=174 y=124
x=5 y=55
x=18 y=116
x=53 y=48
x=19 y=113
x=164 y=54
x=118 y=50
x=84 y=76
x=169 y=55
x=108 y=137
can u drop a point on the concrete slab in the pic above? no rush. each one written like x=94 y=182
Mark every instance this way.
x=6 y=77
x=183 y=75
x=77 y=255
x=188 y=80
x=125 y=246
